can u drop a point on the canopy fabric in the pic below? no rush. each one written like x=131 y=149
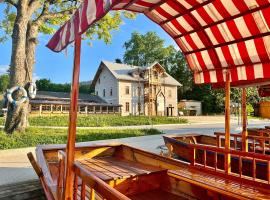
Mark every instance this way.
x=214 y=35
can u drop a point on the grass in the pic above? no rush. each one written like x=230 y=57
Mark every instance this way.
x=101 y=120
x=35 y=136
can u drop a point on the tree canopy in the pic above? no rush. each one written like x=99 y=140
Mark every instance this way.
x=47 y=85
x=142 y=50
x=4 y=82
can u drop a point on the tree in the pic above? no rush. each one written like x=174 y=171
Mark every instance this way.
x=4 y=82
x=142 y=50
x=24 y=20
x=118 y=60
x=47 y=85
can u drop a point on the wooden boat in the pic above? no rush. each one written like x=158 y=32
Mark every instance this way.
x=122 y=172
x=182 y=146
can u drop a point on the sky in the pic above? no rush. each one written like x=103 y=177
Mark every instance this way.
x=58 y=66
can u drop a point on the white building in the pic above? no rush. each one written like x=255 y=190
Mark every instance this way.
x=140 y=90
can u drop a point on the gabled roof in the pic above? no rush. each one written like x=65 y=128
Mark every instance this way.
x=124 y=72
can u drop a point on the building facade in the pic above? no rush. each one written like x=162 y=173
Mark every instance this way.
x=140 y=90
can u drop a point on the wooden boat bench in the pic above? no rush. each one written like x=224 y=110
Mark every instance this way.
x=111 y=168
x=222 y=185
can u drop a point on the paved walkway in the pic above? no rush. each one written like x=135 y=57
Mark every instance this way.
x=14 y=165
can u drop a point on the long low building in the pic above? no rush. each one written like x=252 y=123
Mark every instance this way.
x=58 y=103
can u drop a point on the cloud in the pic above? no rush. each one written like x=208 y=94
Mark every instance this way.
x=3 y=69
x=36 y=77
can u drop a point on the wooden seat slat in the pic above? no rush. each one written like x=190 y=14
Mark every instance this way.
x=133 y=166
x=98 y=173
x=220 y=184
x=111 y=168
x=117 y=173
x=121 y=172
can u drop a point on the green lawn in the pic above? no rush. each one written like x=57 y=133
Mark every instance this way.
x=101 y=120
x=34 y=136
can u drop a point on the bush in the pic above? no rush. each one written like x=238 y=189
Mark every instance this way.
x=102 y=120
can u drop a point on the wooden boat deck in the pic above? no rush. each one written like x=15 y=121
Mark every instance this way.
x=226 y=186
x=112 y=168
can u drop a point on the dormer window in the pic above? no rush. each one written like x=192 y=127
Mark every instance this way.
x=99 y=81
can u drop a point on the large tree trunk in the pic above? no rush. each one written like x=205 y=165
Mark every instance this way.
x=21 y=65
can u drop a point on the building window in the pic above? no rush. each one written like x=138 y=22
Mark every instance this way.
x=127 y=89
x=139 y=91
x=139 y=107
x=127 y=106
x=99 y=80
x=170 y=93
x=97 y=93
x=111 y=92
x=104 y=93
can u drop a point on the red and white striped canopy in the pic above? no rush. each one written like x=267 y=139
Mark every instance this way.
x=214 y=35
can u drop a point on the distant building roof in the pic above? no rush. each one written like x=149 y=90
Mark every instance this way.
x=48 y=97
x=124 y=72
x=65 y=95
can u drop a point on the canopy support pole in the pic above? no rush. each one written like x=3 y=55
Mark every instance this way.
x=227 y=123
x=244 y=120
x=70 y=149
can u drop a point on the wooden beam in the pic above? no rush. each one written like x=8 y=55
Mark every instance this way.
x=244 y=120
x=70 y=149
x=227 y=123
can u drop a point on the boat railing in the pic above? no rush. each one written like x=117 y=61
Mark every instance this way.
x=89 y=186
x=255 y=141
x=242 y=157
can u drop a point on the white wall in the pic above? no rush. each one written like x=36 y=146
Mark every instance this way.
x=107 y=82
x=132 y=98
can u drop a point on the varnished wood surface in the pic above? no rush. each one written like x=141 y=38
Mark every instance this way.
x=130 y=170
x=157 y=195
x=71 y=140
x=111 y=168
x=220 y=184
